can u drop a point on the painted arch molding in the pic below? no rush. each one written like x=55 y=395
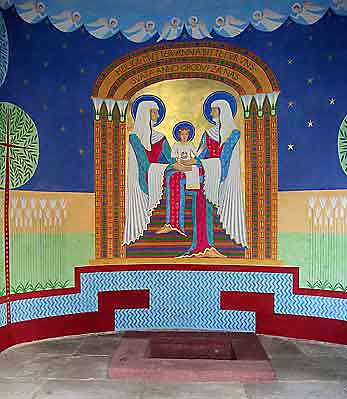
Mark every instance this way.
x=197 y=18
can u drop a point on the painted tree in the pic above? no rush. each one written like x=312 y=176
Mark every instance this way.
x=19 y=154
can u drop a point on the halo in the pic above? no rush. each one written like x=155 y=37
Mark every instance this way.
x=186 y=125
x=149 y=97
x=218 y=95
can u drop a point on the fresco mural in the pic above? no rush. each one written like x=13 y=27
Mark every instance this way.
x=51 y=55
x=186 y=171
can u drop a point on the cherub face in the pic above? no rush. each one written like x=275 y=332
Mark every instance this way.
x=220 y=21
x=76 y=17
x=149 y=26
x=215 y=112
x=297 y=8
x=154 y=115
x=113 y=23
x=193 y=21
x=40 y=7
x=184 y=135
x=257 y=15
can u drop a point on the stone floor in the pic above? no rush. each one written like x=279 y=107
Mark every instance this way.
x=76 y=368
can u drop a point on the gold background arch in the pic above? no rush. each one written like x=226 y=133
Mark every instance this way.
x=245 y=74
x=184 y=99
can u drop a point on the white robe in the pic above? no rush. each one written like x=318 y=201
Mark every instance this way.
x=227 y=195
x=139 y=206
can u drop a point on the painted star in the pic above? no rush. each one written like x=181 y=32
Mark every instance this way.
x=291 y=61
x=310 y=123
x=330 y=57
x=81 y=110
x=310 y=38
x=290 y=104
x=309 y=81
x=82 y=70
x=81 y=151
x=27 y=36
x=269 y=44
x=290 y=147
x=332 y=101
x=62 y=129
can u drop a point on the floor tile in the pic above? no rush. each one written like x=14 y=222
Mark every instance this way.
x=89 y=390
x=194 y=391
x=296 y=390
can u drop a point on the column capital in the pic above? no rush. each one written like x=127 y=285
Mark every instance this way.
x=273 y=97
x=110 y=103
x=97 y=102
x=259 y=99
x=246 y=102
x=122 y=106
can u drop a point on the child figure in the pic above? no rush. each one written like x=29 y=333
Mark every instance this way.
x=184 y=152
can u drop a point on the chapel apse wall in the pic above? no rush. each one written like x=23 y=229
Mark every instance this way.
x=240 y=69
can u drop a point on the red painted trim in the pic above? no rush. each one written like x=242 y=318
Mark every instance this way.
x=267 y=322
x=83 y=323
x=103 y=320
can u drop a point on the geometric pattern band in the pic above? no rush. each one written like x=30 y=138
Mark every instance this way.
x=181 y=299
x=3 y=321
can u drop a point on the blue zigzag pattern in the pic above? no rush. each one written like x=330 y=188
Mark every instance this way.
x=3 y=321
x=183 y=299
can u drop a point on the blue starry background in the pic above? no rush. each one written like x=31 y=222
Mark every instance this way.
x=51 y=75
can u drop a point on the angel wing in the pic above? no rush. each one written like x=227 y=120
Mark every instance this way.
x=231 y=20
x=98 y=23
x=308 y=5
x=62 y=16
x=28 y=5
x=165 y=32
x=203 y=29
x=272 y=14
x=135 y=28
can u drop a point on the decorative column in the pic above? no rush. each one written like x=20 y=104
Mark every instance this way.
x=273 y=98
x=122 y=151
x=259 y=98
x=110 y=172
x=97 y=102
x=246 y=102
x=261 y=175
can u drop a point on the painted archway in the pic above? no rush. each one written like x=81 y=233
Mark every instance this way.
x=242 y=70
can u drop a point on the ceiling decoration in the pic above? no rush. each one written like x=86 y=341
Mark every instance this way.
x=139 y=20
